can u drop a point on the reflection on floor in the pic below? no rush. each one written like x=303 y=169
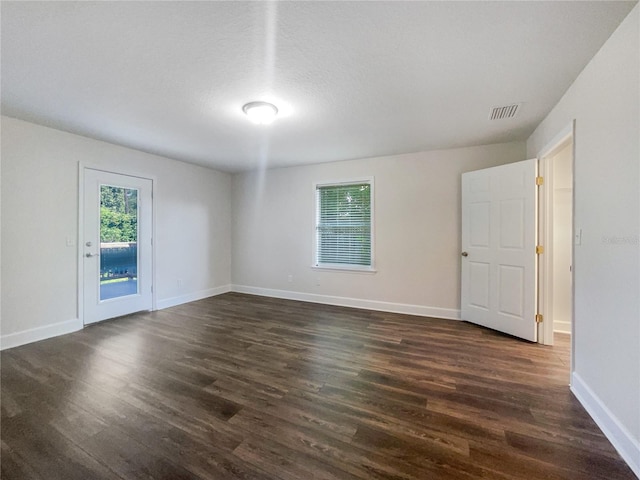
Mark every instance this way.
x=118 y=289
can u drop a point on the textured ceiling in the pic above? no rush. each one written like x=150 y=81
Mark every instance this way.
x=351 y=79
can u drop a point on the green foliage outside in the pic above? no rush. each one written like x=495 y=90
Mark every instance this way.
x=118 y=214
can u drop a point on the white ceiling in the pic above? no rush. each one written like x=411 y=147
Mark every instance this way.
x=351 y=79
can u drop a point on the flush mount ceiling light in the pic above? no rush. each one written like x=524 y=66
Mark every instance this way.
x=260 y=113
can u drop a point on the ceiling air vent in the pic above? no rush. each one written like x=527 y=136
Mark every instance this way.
x=500 y=113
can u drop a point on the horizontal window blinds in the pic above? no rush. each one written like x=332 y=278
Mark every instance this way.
x=343 y=225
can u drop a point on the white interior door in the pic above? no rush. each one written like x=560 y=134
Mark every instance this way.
x=116 y=245
x=498 y=248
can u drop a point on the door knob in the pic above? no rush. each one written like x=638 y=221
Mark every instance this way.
x=89 y=255
x=465 y=254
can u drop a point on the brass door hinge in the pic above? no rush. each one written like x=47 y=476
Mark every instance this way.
x=539 y=181
x=539 y=249
x=539 y=318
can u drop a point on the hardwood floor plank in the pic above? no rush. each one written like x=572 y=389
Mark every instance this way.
x=12 y=465
x=240 y=387
x=285 y=463
x=48 y=453
x=350 y=460
x=130 y=459
x=586 y=462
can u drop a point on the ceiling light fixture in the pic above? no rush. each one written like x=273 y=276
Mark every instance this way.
x=260 y=113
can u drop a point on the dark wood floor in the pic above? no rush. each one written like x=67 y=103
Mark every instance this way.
x=243 y=387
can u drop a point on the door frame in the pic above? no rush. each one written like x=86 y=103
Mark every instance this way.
x=545 y=233
x=82 y=166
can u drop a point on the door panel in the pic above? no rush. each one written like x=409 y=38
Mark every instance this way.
x=499 y=236
x=511 y=290
x=479 y=285
x=480 y=217
x=512 y=223
x=116 y=242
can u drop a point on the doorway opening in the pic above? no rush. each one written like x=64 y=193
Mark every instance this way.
x=555 y=284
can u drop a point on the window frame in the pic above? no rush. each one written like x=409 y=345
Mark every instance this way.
x=344 y=267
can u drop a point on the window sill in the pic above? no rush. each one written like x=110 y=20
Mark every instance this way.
x=344 y=268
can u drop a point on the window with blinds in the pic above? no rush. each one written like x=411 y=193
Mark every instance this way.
x=343 y=225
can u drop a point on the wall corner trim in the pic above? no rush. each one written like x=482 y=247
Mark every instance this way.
x=627 y=446
x=192 y=297
x=39 y=333
x=420 y=310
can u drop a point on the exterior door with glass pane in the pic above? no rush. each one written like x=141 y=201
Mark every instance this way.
x=116 y=245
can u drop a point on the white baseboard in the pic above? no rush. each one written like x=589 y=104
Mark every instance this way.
x=192 y=297
x=49 y=331
x=561 y=327
x=627 y=446
x=39 y=333
x=424 y=311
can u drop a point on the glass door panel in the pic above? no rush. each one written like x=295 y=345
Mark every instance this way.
x=118 y=241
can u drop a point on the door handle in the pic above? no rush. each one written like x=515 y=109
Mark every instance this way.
x=465 y=254
x=89 y=255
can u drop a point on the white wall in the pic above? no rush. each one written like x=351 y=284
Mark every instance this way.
x=417 y=230
x=561 y=164
x=40 y=211
x=605 y=100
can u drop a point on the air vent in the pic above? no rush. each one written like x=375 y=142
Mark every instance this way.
x=500 y=113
